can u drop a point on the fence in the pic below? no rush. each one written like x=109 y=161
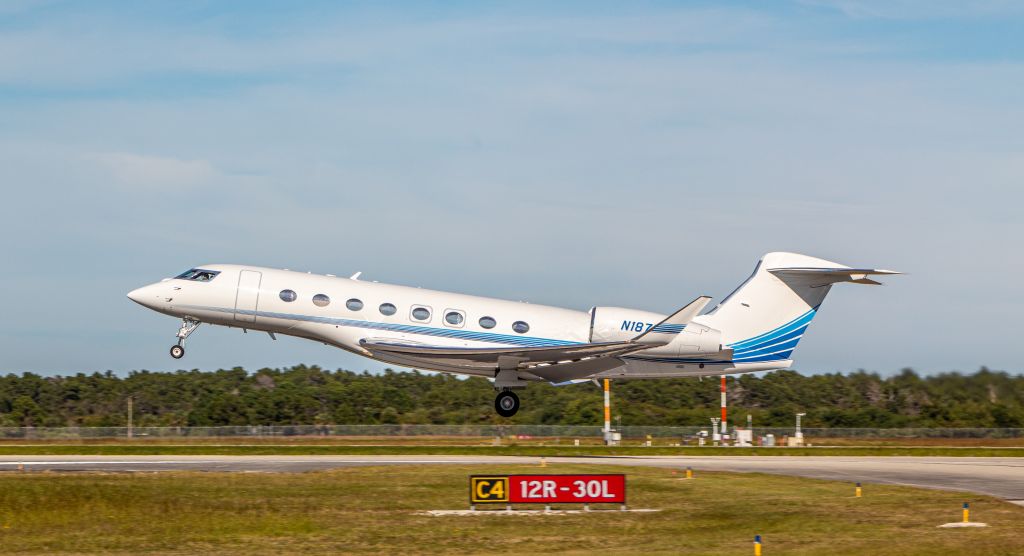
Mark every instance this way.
x=73 y=433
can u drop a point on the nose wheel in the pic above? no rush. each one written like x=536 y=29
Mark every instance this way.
x=188 y=326
x=506 y=404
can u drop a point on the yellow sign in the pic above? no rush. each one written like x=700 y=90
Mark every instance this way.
x=488 y=489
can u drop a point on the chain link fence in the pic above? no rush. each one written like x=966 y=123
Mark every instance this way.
x=504 y=431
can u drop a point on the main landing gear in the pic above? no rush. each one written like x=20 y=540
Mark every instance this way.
x=188 y=326
x=507 y=403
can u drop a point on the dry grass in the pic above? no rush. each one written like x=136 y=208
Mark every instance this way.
x=509 y=449
x=374 y=510
x=433 y=440
x=947 y=442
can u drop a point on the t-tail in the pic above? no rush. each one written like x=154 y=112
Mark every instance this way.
x=764 y=319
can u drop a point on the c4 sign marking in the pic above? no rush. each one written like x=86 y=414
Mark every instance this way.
x=488 y=489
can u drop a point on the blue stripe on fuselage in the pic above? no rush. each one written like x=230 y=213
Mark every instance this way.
x=525 y=341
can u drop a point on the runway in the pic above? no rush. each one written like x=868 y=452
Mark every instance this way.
x=996 y=476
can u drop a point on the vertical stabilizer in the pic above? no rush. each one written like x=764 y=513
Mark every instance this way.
x=764 y=319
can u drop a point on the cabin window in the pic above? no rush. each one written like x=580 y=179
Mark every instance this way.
x=388 y=309
x=454 y=317
x=198 y=275
x=354 y=304
x=488 y=322
x=421 y=313
x=321 y=300
x=520 y=327
x=288 y=295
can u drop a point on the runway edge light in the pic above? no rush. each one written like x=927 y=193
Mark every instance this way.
x=757 y=545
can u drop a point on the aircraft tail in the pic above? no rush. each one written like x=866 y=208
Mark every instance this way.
x=764 y=319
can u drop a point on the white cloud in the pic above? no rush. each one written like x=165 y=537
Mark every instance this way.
x=918 y=9
x=138 y=170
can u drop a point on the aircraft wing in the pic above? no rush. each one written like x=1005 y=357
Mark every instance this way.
x=493 y=358
x=556 y=364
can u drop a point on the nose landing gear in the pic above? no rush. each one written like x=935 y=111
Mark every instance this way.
x=506 y=404
x=188 y=326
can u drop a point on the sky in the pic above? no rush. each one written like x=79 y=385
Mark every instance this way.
x=576 y=154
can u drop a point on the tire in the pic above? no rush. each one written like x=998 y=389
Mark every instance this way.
x=177 y=352
x=506 y=404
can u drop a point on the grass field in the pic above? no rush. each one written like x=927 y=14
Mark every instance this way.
x=373 y=510
x=146 y=448
x=435 y=440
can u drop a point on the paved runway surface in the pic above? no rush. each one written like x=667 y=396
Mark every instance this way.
x=1002 y=477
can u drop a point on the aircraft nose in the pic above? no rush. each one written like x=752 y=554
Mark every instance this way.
x=147 y=296
x=136 y=295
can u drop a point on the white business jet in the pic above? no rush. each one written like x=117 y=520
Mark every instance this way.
x=754 y=329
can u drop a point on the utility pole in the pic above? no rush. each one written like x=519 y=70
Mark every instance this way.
x=799 y=433
x=607 y=413
x=130 y=417
x=725 y=427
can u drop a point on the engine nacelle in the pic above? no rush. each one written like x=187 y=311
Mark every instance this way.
x=618 y=324
x=696 y=339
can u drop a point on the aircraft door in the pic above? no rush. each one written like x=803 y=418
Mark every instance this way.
x=248 y=295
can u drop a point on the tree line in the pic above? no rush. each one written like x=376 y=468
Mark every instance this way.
x=310 y=395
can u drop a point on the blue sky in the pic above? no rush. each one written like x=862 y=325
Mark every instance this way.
x=576 y=154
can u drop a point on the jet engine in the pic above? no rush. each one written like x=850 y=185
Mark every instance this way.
x=696 y=339
x=618 y=324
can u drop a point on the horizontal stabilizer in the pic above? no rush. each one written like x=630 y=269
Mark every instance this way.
x=825 y=276
x=674 y=324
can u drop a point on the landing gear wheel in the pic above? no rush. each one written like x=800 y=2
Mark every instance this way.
x=506 y=404
x=188 y=326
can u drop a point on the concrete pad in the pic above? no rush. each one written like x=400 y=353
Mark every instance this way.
x=531 y=512
x=959 y=524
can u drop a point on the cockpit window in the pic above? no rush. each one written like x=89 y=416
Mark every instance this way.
x=198 y=275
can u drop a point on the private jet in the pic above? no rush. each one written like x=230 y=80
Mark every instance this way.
x=755 y=328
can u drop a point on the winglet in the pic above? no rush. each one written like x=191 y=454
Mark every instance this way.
x=355 y=276
x=674 y=324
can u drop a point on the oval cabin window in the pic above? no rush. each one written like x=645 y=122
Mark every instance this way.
x=288 y=296
x=354 y=304
x=488 y=322
x=520 y=327
x=388 y=309
x=421 y=313
x=453 y=318
x=321 y=300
